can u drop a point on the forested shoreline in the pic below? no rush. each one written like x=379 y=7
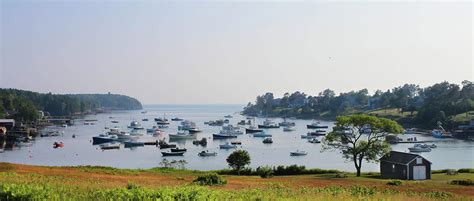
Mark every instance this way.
x=408 y=104
x=24 y=105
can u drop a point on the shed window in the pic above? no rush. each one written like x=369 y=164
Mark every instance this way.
x=419 y=160
x=393 y=167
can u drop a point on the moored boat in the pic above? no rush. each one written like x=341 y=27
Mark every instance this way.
x=182 y=135
x=227 y=146
x=315 y=125
x=177 y=119
x=261 y=134
x=298 y=153
x=178 y=150
x=104 y=138
x=253 y=129
x=173 y=153
x=267 y=140
x=268 y=124
x=289 y=128
x=207 y=153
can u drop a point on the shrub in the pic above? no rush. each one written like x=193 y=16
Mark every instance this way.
x=465 y=182
x=210 y=180
x=466 y=170
x=265 y=172
x=394 y=183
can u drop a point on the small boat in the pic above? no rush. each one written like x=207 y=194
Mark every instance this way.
x=162 y=121
x=104 y=138
x=236 y=142
x=432 y=146
x=207 y=153
x=261 y=134
x=109 y=147
x=182 y=135
x=441 y=133
x=289 y=128
x=133 y=144
x=144 y=112
x=316 y=133
x=163 y=126
x=173 y=153
x=227 y=146
x=308 y=136
x=64 y=125
x=267 y=140
x=144 y=119
x=194 y=130
x=151 y=143
x=314 y=141
x=215 y=123
x=268 y=124
x=315 y=125
x=223 y=136
x=152 y=130
x=243 y=122
x=177 y=119
x=202 y=142
x=286 y=123
x=419 y=149
x=228 y=116
x=115 y=122
x=178 y=150
x=298 y=153
x=164 y=145
x=253 y=129
x=58 y=145
x=135 y=125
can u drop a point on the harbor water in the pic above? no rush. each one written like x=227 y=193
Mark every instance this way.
x=450 y=153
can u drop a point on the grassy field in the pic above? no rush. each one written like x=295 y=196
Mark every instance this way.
x=464 y=117
x=23 y=182
x=392 y=113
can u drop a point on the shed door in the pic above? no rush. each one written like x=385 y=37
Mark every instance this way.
x=419 y=172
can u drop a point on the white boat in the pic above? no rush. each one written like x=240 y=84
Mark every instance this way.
x=298 y=153
x=315 y=125
x=153 y=129
x=286 y=123
x=227 y=146
x=419 y=149
x=187 y=125
x=228 y=116
x=121 y=136
x=162 y=121
x=207 y=153
x=289 y=128
x=314 y=141
x=268 y=124
x=261 y=134
x=432 y=146
x=135 y=125
x=183 y=135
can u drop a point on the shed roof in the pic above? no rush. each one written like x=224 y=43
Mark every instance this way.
x=400 y=157
x=7 y=121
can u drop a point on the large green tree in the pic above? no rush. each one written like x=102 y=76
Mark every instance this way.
x=360 y=137
x=238 y=160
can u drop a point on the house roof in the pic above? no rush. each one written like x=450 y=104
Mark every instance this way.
x=400 y=157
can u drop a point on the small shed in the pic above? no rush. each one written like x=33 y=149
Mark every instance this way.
x=406 y=166
x=7 y=123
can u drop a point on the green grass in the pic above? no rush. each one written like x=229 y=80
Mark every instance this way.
x=392 y=113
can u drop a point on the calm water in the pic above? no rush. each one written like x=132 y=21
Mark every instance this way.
x=451 y=153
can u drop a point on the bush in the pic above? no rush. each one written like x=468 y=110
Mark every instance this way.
x=394 y=183
x=466 y=170
x=210 y=180
x=265 y=172
x=465 y=182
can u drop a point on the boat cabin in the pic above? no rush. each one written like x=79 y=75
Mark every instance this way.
x=405 y=166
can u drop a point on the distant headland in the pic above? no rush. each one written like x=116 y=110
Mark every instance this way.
x=29 y=106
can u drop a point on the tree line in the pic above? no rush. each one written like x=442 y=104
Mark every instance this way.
x=24 y=105
x=427 y=106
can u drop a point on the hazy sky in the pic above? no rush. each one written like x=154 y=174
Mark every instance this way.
x=230 y=52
